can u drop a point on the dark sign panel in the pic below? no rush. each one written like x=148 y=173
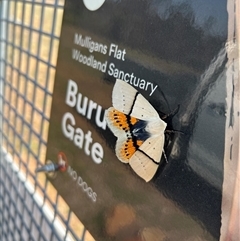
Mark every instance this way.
x=151 y=167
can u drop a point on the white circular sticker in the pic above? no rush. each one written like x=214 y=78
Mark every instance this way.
x=93 y=5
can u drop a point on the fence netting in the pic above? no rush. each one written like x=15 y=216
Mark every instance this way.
x=30 y=207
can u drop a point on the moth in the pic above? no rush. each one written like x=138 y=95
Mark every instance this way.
x=138 y=128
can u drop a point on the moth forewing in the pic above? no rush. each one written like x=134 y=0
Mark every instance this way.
x=129 y=101
x=123 y=96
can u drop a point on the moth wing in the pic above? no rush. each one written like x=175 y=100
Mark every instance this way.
x=145 y=160
x=125 y=149
x=128 y=100
x=111 y=122
x=119 y=122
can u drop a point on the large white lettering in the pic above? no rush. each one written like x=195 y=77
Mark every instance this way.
x=80 y=139
x=85 y=107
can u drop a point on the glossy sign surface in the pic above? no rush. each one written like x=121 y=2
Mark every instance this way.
x=172 y=53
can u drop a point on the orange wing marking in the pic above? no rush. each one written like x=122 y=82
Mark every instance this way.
x=128 y=149
x=120 y=120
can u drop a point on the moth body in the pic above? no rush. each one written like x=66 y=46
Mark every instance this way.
x=156 y=127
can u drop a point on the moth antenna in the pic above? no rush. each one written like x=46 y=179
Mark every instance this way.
x=173 y=131
x=165 y=157
x=165 y=98
x=172 y=113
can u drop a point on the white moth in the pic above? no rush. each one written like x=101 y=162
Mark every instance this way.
x=138 y=128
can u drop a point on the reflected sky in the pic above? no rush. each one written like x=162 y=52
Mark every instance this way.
x=206 y=15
